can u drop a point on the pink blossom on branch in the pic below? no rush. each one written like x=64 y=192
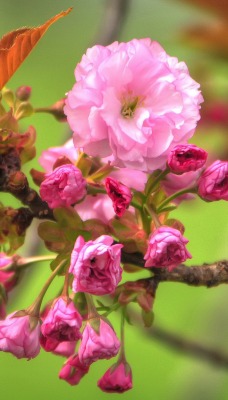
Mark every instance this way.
x=73 y=370
x=20 y=335
x=132 y=101
x=7 y=277
x=63 y=187
x=213 y=183
x=185 y=158
x=61 y=324
x=166 y=248
x=97 y=344
x=96 y=265
x=119 y=194
x=117 y=379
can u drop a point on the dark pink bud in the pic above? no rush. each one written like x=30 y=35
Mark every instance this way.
x=61 y=324
x=73 y=370
x=99 y=341
x=166 y=248
x=7 y=277
x=63 y=187
x=213 y=183
x=185 y=158
x=117 y=379
x=119 y=194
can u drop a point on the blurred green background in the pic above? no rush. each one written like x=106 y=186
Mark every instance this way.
x=196 y=313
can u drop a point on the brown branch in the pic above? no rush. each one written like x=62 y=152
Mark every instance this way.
x=208 y=275
x=115 y=13
x=183 y=345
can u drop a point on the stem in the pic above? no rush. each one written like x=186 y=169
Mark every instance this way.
x=24 y=262
x=95 y=189
x=174 y=196
x=153 y=215
x=92 y=311
x=34 y=309
x=65 y=292
x=122 y=338
x=156 y=181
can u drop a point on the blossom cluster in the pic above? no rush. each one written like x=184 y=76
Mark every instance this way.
x=107 y=193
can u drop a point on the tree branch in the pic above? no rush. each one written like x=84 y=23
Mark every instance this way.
x=208 y=275
x=115 y=13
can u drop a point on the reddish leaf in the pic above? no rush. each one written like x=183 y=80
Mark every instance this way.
x=15 y=46
x=219 y=7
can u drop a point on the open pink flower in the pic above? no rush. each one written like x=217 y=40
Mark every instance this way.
x=61 y=324
x=98 y=343
x=185 y=158
x=213 y=183
x=96 y=265
x=166 y=248
x=73 y=370
x=20 y=335
x=117 y=379
x=63 y=187
x=132 y=101
x=119 y=194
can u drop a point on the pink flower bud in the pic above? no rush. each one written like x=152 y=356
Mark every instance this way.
x=117 y=379
x=213 y=183
x=73 y=370
x=7 y=277
x=119 y=194
x=96 y=265
x=65 y=349
x=166 y=248
x=61 y=324
x=98 y=341
x=20 y=335
x=185 y=158
x=63 y=187
x=23 y=93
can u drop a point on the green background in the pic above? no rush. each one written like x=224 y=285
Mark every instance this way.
x=196 y=313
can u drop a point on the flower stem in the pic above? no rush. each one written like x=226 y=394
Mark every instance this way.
x=24 y=262
x=34 y=309
x=156 y=181
x=174 y=196
x=153 y=215
x=92 y=311
x=122 y=338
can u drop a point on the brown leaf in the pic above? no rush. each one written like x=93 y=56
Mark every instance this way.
x=219 y=7
x=212 y=37
x=16 y=45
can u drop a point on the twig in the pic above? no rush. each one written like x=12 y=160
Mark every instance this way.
x=209 y=275
x=115 y=13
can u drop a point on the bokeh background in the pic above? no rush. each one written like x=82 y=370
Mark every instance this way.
x=197 y=35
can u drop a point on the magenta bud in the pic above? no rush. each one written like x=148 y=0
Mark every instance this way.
x=23 y=93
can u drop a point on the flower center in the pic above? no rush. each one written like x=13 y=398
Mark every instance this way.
x=129 y=107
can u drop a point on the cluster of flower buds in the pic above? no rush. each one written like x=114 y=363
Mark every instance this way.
x=106 y=197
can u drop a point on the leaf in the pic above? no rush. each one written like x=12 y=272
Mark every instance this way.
x=219 y=7
x=16 y=45
x=148 y=318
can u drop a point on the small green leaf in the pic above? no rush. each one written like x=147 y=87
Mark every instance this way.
x=148 y=318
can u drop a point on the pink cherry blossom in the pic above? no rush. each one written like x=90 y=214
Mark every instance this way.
x=61 y=324
x=117 y=379
x=7 y=277
x=96 y=265
x=166 y=248
x=63 y=187
x=73 y=370
x=132 y=101
x=213 y=183
x=65 y=349
x=97 y=345
x=20 y=335
x=185 y=158
x=119 y=194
